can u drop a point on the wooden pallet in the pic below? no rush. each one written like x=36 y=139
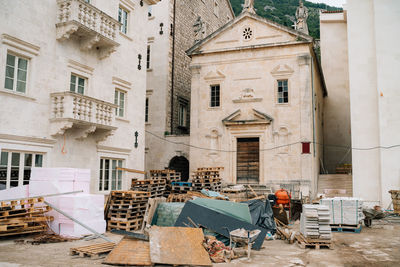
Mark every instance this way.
x=24 y=230
x=131 y=205
x=131 y=225
x=13 y=204
x=210 y=169
x=313 y=243
x=129 y=194
x=346 y=228
x=149 y=182
x=93 y=251
x=178 y=198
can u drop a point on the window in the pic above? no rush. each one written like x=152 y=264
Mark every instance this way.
x=110 y=178
x=148 y=57
x=87 y=1
x=216 y=8
x=77 y=84
x=15 y=168
x=119 y=100
x=215 y=96
x=305 y=147
x=146 y=112
x=283 y=96
x=149 y=11
x=16 y=73
x=123 y=19
x=182 y=114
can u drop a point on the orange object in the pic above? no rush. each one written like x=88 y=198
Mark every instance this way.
x=282 y=197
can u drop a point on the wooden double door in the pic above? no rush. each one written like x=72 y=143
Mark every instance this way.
x=248 y=160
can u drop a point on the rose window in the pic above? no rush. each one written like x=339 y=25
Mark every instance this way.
x=247 y=33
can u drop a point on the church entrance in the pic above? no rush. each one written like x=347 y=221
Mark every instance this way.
x=248 y=160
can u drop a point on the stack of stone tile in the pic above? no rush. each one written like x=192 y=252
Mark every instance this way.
x=314 y=222
x=344 y=210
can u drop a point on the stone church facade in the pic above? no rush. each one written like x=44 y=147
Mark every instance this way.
x=259 y=92
x=174 y=26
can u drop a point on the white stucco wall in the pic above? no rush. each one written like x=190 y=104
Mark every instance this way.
x=334 y=61
x=25 y=118
x=375 y=115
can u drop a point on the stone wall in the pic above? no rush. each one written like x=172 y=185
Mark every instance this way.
x=187 y=12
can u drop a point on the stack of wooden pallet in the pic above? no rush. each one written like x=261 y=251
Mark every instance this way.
x=170 y=176
x=207 y=178
x=156 y=187
x=181 y=187
x=126 y=210
x=23 y=216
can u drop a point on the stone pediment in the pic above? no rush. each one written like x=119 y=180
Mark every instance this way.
x=214 y=75
x=248 y=31
x=282 y=70
x=247 y=117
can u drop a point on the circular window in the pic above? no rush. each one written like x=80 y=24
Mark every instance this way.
x=247 y=33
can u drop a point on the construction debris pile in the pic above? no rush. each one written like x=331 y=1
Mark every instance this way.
x=23 y=216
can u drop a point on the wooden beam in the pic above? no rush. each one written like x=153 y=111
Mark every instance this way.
x=130 y=170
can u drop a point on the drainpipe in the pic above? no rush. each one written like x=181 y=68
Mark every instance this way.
x=313 y=103
x=173 y=68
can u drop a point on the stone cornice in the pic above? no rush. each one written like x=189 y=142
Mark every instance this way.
x=79 y=66
x=115 y=150
x=121 y=83
x=30 y=139
x=20 y=44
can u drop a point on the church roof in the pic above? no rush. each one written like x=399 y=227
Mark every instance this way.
x=301 y=36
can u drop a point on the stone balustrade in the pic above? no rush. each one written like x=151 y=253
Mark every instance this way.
x=70 y=109
x=93 y=26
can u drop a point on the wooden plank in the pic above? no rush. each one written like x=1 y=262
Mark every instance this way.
x=178 y=246
x=151 y=209
x=130 y=170
x=130 y=251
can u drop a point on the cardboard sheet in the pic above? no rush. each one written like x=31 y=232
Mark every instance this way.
x=178 y=246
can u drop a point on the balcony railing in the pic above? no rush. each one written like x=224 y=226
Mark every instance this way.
x=94 y=28
x=72 y=110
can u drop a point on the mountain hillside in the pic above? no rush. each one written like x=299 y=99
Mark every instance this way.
x=283 y=12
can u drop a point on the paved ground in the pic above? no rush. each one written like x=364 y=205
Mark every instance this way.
x=377 y=246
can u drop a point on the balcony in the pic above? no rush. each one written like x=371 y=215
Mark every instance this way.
x=90 y=26
x=82 y=114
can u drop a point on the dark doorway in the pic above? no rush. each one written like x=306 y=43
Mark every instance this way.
x=248 y=160
x=180 y=164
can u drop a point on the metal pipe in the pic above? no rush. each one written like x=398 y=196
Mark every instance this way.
x=173 y=68
x=50 y=195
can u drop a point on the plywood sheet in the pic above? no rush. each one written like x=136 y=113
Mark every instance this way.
x=130 y=251
x=178 y=246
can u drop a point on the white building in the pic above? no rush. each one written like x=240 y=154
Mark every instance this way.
x=372 y=28
x=72 y=88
